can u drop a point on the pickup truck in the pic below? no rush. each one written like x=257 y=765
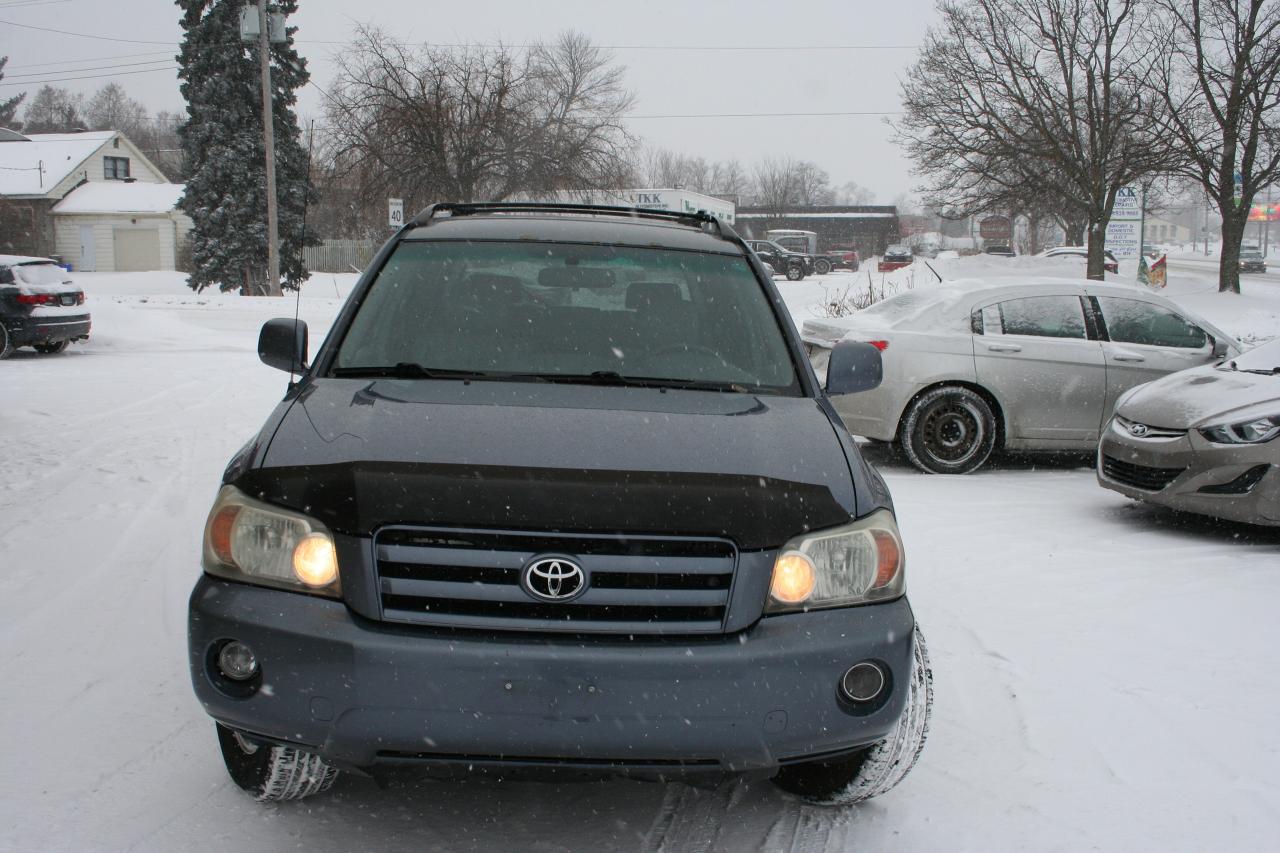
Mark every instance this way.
x=806 y=242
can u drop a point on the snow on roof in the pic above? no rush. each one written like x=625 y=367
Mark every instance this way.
x=121 y=197
x=57 y=154
x=14 y=260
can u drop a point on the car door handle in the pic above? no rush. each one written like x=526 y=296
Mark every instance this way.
x=1128 y=356
x=1004 y=347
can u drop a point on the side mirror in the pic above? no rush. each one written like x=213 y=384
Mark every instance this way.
x=282 y=344
x=854 y=366
x=1220 y=348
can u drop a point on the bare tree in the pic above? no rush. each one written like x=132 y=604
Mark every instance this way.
x=1220 y=85
x=470 y=123
x=1039 y=97
x=9 y=106
x=53 y=110
x=111 y=108
x=851 y=193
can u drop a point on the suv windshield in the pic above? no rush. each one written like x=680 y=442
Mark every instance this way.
x=566 y=312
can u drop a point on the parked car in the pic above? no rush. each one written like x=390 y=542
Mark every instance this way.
x=971 y=368
x=559 y=491
x=1109 y=263
x=1204 y=440
x=792 y=264
x=895 y=257
x=40 y=306
x=1000 y=251
x=1252 y=260
x=806 y=243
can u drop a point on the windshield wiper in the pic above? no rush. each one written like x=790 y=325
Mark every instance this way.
x=413 y=370
x=613 y=377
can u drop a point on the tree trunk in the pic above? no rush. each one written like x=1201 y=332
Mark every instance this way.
x=1233 y=225
x=1097 y=243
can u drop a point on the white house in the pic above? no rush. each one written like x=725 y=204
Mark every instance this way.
x=111 y=226
x=39 y=171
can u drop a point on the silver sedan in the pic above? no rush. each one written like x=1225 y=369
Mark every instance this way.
x=970 y=367
x=1206 y=440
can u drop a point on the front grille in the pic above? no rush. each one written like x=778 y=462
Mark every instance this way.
x=1139 y=476
x=635 y=584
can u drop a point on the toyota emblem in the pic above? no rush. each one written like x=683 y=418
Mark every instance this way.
x=553 y=579
x=1138 y=430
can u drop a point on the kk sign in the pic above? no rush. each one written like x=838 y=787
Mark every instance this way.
x=1124 y=237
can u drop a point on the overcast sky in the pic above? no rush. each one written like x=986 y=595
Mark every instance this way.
x=830 y=64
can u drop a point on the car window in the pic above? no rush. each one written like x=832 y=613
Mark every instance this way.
x=1042 y=316
x=1129 y=321
x=570 y=310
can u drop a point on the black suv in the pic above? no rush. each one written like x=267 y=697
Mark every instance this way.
x=794 y=265
x=559 y=491
x=40 y=306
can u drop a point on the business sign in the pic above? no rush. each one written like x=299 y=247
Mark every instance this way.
x=395 y=212
x=1124 y=230
x=997 y=228
x=1264 y=213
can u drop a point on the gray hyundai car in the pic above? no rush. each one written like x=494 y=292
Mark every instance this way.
x=1205 y=440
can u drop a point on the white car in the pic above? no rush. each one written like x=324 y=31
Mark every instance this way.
x=971 y=367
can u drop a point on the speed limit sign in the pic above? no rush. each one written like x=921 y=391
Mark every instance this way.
x=395 y=212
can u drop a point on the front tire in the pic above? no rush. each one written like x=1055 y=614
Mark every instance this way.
x=53 y=348
x=949 y=430
x=877 y=768
x=273 y=773
x=794 y=273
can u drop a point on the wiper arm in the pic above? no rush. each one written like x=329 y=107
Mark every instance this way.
x=613 y=377
x=413 y=370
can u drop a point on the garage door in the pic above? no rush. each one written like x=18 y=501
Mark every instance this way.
x=137 y=249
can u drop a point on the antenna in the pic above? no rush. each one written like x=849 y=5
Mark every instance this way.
x=931 y=269
x=302 y=238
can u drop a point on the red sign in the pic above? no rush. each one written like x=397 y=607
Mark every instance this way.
x=995 y=228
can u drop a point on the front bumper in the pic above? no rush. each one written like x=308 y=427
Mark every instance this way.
x=367 y=694
x=1204 y=465
x=49 y=330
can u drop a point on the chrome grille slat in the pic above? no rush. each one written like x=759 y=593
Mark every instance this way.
x=636 y=584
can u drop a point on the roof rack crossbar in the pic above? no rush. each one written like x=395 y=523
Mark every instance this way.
x=701 y=217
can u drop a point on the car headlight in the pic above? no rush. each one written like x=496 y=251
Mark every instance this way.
x=251 y=541
x=1253 y=431
x=855 y=563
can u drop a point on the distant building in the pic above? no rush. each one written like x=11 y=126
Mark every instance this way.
x=1160 y=230
x=113 y=225
x=866 y=228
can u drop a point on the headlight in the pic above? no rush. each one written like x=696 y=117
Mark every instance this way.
x=856 y=563
x=1253 y=431
x=247 y=540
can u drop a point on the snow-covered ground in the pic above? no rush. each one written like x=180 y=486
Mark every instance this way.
x=1105 y=672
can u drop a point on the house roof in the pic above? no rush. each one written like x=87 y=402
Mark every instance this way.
x=121 y=197
x=58 y=154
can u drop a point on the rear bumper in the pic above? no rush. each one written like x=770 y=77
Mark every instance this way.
x=49 y=330
x=367 y=695
x=1201 y=465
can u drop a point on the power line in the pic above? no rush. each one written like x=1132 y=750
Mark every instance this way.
x=88 y=59
x=766 y=115
x=88 y=76
x=21 y=3
x=91 y=68
x=82 y=35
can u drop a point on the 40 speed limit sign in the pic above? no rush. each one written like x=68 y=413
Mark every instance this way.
x=395 y=212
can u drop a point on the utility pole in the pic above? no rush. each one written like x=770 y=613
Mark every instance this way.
x=269 y=142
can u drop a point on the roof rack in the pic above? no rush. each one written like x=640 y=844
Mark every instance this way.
x=698 y=218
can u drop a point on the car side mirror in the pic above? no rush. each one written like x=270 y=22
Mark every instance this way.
x=854 y=366
x=1219 y=348
x=282 y=344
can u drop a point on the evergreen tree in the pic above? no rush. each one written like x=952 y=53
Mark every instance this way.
x=226 y=194
x=8 y=106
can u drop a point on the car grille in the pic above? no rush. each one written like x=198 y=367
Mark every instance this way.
x=635 y=585
x=1139 y=476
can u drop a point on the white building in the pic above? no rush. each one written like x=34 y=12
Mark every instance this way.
x=121 y=227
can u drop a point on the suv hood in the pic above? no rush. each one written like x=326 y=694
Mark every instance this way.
x=359 y=453
x=1199 y=396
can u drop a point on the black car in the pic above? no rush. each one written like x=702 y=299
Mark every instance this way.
x=795 y=265
x=1251 y=260
x=40 y=306
x=560 y=492
x=1000 y=251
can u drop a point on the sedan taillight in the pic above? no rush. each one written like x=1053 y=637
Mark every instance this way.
x=37 y=299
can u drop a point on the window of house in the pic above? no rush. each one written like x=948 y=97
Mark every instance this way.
x=115 y=168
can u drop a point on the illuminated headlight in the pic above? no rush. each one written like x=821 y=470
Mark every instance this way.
x=856 y=563
x=1253 y=431
x=251 y=541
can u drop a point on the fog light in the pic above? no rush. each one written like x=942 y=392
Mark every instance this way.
x=237 y=661
x=863 y=682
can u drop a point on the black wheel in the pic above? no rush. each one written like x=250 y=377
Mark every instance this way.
x=822 y=266
x=877 y=768
x=795 y=272
x=6 y=342
x=273 y=773
x=53 y=348
x=949 y=430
